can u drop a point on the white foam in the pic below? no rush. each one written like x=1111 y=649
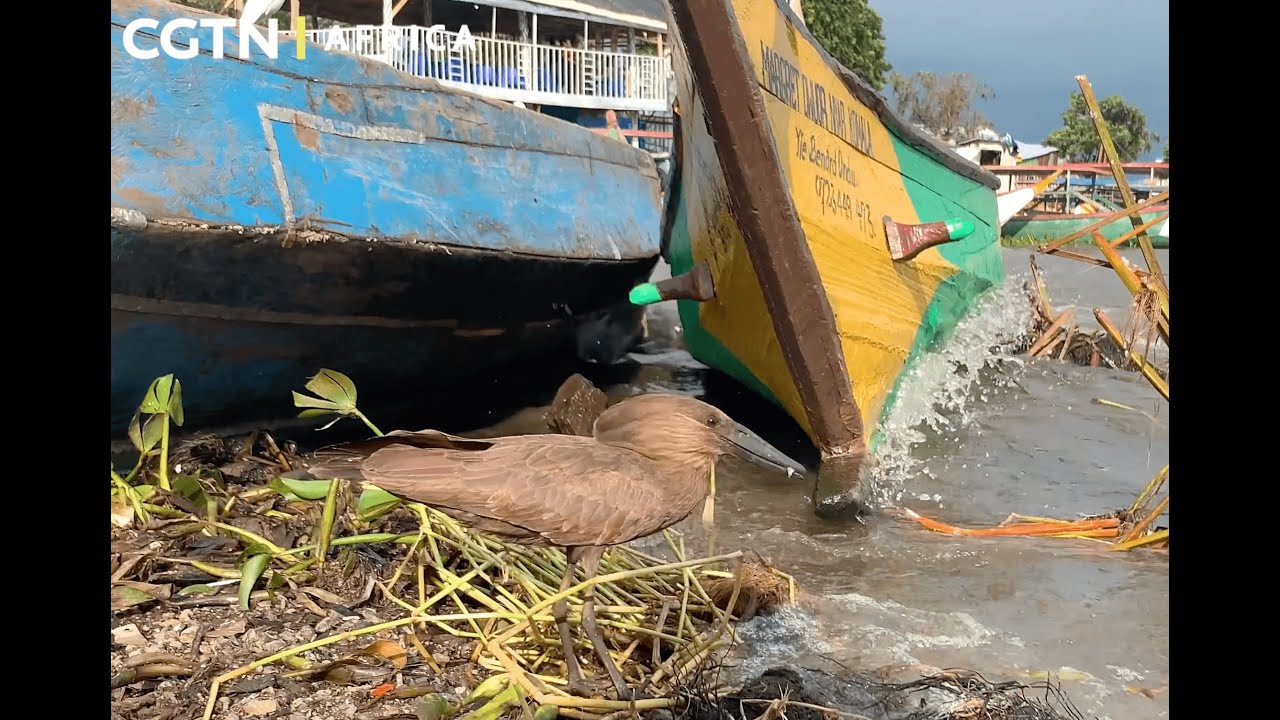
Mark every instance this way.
x=937 y=397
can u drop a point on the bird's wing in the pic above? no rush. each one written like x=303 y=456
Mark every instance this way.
x=570 y=490
x=345 y=460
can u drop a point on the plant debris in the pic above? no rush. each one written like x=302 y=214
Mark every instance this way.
x=237 y=593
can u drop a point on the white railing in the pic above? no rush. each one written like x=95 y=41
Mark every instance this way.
x=509 y=70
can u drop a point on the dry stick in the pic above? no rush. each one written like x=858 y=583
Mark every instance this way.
x=1066 y=344
x=1148 y=370
x=1149 y=491
x=1143 y=228
x=1139 y=527
x=1154 y=537
x=1122 y=182
x=1052 y=247
x=1043 y=342
x=1133 y=283
x=1042 y=294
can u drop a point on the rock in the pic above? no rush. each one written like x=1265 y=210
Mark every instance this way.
x=128 y=635
x=259 y=708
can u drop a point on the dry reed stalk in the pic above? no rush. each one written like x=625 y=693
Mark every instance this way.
x=463 y=568
x=1148 y=370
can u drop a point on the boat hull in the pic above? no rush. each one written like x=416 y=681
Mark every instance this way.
x=273 y=217
x=1039 y=229
x=243 y=322
x=847 y=164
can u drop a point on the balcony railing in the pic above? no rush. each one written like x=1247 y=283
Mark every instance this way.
x=509 y=70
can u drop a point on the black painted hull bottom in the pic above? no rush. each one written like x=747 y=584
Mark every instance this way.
x=242 y=323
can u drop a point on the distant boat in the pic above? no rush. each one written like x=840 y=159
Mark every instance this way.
x=1041 y=227
x=274 y=217
x=820 y=244
x=1074 y=205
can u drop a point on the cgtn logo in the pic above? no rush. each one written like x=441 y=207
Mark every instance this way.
x=268 y=43
x=400 y=37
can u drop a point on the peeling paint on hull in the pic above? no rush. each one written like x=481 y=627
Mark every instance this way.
x=271 y=217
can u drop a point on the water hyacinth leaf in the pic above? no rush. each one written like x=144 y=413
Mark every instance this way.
x=126 y=594
x=488 y=688
x=175 y=403
x=158 y=395
x=305 y=401
x=374 y=499
x=124 y=597
x=144 y=492
x=153 y=432
x=304 y=489
x=188 y=487
x=434 y=707
x=276 y=582
x=313 y=412
x=497 y=707
x=135 y=432
x=249 y=574
x=334 y=387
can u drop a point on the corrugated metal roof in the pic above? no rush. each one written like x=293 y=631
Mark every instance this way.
x=1029 y=151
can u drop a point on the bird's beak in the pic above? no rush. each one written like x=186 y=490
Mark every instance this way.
x=750 y=447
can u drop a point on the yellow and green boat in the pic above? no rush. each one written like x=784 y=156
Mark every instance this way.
x=819 y=244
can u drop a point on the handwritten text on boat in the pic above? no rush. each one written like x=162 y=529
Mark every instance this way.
x=802 y=94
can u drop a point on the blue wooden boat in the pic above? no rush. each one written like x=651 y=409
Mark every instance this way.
x=273 y=217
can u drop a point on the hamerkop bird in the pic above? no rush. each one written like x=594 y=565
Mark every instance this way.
x=646 y=467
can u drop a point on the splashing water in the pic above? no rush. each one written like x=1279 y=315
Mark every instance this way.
x=936 y=396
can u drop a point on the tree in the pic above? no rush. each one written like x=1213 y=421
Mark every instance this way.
x=1166 y=151
x=851 y=31
x=942 y=104
x=1077 y=139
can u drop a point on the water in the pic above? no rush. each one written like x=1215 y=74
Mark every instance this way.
x=1016 y=436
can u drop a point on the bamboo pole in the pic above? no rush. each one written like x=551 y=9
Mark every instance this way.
x=1043 y=343
x=1148 y=370
x=1145 y=226
x=1117 y=171
x=1133 y=283
x=1107 y=220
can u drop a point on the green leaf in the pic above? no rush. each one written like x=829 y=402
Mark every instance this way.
x=302 y=401
x=249 y=574
x=157 y=397
x=276 y=582
x=304 y=489
x=144 y=491
x=334 y=387
x=175 y=404
x=135 y=431
x=313 y=412
x=434 y=707
x=189 y=487
x=153 y=431
x=374 y=501
x=123 y=597
x=195 y=590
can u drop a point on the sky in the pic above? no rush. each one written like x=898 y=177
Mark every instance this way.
x=1029 y=52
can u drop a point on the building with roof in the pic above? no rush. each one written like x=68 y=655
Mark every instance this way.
x=573 y=59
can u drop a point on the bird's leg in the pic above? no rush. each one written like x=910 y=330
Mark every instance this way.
x=560 y=611
x=590 y=560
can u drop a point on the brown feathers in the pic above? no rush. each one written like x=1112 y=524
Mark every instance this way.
x=646 y=468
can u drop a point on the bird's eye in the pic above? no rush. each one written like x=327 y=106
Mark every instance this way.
x=713 y=421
